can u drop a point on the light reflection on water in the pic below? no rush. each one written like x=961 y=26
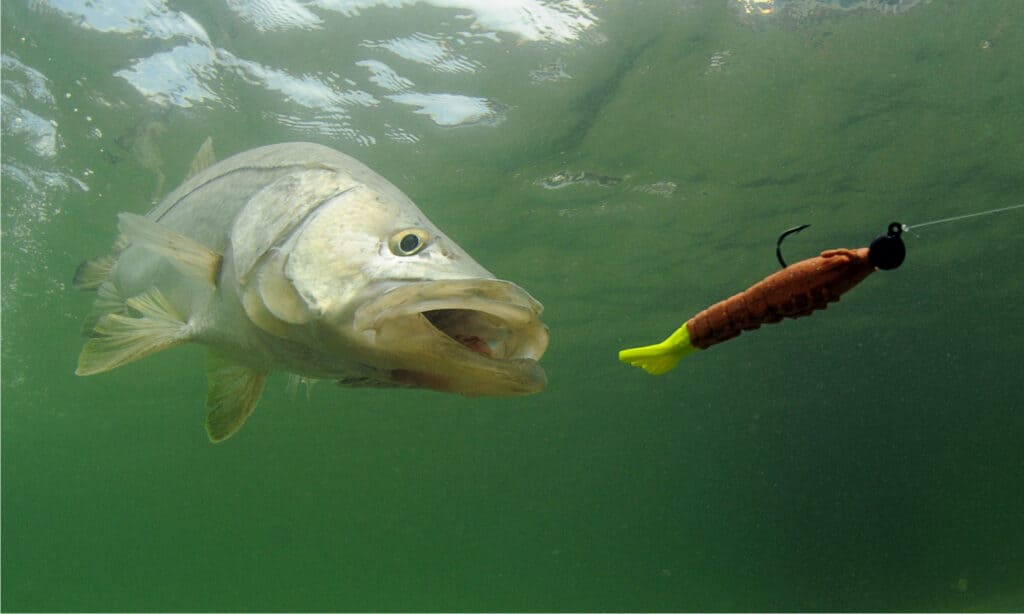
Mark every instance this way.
x=190 y=70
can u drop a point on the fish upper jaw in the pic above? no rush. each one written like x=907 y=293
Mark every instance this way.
x=472 y=336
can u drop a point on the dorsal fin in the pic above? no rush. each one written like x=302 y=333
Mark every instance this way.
x=204 y=159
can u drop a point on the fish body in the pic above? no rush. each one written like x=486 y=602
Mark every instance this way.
x=299 y=258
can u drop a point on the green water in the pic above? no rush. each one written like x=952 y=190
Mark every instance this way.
x=867 y=458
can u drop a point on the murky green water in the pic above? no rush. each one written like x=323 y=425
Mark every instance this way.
x=628 y=165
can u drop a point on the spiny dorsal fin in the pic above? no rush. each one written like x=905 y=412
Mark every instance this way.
x=231 y=394
x=204 y=159
x=119 y=339
x=187 y=255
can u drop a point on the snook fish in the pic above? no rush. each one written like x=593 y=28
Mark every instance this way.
x=297 y=257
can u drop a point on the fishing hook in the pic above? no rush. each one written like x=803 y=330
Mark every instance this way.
x=778 y=244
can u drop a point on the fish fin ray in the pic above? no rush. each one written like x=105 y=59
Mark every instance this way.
x=91 y=274
x=121 y=243
x=187 y=255
x=295 y=380
x=204 y=159
x=118 y=339
x=231 y=395
x=109 y=299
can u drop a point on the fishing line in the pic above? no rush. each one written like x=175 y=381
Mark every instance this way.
x=907 y=227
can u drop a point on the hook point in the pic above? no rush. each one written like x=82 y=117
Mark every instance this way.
x=778 y=244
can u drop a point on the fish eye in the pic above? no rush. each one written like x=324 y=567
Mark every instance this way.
x=408 y=242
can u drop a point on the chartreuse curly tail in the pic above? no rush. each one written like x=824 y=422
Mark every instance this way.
x=661 y=357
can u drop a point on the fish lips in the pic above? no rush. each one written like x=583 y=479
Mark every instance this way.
x=471 y=336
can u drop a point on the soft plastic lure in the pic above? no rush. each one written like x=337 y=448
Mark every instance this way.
x=796 y=291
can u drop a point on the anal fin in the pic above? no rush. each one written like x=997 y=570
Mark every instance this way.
x=231 y=395
x=119 y=339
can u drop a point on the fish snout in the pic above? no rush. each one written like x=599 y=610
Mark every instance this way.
x=471 y=336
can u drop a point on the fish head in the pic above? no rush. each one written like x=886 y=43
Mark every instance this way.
x=377 y=283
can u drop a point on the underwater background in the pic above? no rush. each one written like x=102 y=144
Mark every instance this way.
x=628 y=163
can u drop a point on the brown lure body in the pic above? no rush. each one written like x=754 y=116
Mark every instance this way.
x=797 y=290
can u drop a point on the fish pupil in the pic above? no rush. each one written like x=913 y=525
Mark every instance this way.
x=409 y=243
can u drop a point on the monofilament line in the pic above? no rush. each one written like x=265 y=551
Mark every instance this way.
x=962 y=217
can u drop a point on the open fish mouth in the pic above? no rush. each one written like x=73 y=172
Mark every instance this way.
x=486 y=329
x=486 y=334
x=452 y=322
x=493 y=318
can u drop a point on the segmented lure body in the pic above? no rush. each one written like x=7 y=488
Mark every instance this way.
x=797 y=290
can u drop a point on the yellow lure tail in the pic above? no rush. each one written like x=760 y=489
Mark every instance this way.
x=660 y=358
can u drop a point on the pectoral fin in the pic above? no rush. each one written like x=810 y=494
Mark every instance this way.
x=119 y=338
x=187 y=255
x=231 y=395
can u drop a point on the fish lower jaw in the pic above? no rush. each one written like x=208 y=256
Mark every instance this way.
x=473 y=337
x=458 y=351
x=518 y=377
